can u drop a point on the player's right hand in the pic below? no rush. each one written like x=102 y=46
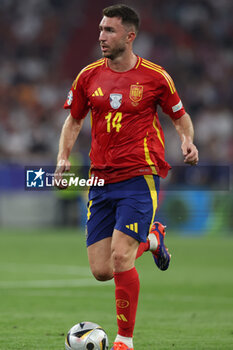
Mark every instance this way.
x=63 y=165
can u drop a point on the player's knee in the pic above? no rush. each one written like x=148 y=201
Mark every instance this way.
x=120 y=260
x=102 y=274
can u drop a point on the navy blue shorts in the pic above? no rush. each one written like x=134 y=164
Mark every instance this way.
x=128 y=206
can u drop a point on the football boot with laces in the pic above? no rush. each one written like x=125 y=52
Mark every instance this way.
x=160 y=254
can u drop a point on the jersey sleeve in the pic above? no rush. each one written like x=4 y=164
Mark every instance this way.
x=170 y=101
x=76 y=100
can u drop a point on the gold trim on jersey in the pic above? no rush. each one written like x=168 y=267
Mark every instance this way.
x=158 y=132
x=90 y=66
x=137 y=65
x=147 y=156
x=154 y=196
x=152 y=64
x=160 y=70
x=101 y=60
x=139 y=61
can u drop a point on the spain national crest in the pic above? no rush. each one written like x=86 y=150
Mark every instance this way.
x=136 y=92
x=115 y=100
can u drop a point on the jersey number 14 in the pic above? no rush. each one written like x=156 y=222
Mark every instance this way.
x=114 y=121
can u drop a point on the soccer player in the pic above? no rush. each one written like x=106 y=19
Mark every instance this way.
x=123 y=91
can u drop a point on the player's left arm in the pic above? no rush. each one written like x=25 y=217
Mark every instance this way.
x=185 y=130
x=171 y=105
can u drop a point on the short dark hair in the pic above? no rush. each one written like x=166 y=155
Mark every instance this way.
x=127 y=14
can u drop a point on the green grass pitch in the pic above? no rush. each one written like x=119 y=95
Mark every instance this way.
x=46 y=287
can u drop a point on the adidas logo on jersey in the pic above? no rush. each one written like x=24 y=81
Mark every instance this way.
x=98 y=92
x=133 y=227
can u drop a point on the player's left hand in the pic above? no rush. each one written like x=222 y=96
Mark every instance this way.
x=190 y=153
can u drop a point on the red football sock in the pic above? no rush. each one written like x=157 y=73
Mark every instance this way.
x=143 y=247
x=126 y=292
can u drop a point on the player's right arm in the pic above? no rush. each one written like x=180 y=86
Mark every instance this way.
x=78 y=104
x=69 y=135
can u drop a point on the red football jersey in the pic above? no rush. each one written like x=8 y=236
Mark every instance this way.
x=127 y=138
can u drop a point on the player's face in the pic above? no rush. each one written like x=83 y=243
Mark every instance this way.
x=113 y=37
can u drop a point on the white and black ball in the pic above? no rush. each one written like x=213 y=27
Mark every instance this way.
x=86 y=336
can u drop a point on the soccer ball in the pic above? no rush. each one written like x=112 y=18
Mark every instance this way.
x=86 y=336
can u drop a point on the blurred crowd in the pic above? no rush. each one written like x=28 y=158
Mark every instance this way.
x=44 y=44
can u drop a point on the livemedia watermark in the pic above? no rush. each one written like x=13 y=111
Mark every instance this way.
x=45 y=178
x=180 y=178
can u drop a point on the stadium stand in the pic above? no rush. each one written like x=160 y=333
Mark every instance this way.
x=44 y=44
